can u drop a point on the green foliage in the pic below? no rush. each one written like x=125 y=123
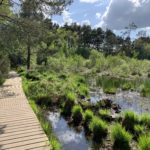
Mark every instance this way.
x=146 y=89
x=127 y=86
x=138 y=130
x=130 y=119
x=99 y=129
x=144 y=143
x=33 y=75
x=39 y=92
x=70 y=96
x=110 y=90
x=105 y=114
x=4 y=67
x=83 y=90
x=145 y=120
x=84 y=52
x=77 y=114
x=55 y=144
x=70 y=102
x=88 y=116
x=1 y=80
x=120 y=137
x=111 y=84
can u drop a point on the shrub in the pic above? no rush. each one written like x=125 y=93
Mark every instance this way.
x=77 y=114
x=88 y=116
x=120 y=137
x=144 y=143
x=99 y=129
x=130 y=119
x=70 y=101
x=104 y=114
x=33 y=75
x=145 y=120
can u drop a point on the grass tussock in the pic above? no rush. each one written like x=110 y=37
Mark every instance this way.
x=77 y=114
x=120 y=137
x=99 y=129
x=130 y=119
x=144 y=143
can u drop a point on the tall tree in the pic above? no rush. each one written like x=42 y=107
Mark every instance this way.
x=33 y=13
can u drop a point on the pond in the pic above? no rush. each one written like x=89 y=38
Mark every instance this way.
x=127 y=100
x=69 y=138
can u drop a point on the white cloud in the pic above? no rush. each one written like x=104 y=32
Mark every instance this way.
x=98 y=15
x=67 y=17
x=89 y=1
x=86 y=22
x=120 y=13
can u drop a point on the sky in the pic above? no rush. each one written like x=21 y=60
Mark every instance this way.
x=112 y=14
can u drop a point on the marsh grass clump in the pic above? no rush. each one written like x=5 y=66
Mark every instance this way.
x=144 y=143
x=145 y=120
x=70 y=98
x=146 y=89
x=120 y=137
x=83 y=90
x=77 y=114
x=130 y=119
x=110 y=90
x=105 y=114
x=138 y=130
x=99 y=129
x=127 y=86
x=88 y=116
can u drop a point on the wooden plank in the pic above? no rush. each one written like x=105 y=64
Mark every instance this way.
x=19 y=126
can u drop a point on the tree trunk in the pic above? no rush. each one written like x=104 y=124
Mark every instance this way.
x=28 y=56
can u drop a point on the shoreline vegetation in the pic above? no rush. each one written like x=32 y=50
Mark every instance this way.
x=61 y=66
x=65 y=89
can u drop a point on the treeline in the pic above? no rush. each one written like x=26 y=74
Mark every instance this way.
x=28 y=33
x=109 y=43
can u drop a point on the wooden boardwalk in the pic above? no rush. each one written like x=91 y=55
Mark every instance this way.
x=19 y=126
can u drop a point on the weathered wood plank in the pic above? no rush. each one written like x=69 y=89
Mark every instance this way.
x=19 y=126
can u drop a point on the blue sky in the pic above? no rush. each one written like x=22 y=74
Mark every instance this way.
x=112 y=14
x=82 y=11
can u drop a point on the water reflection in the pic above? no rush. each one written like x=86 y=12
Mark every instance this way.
x=127 y=100
x=69 y=138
